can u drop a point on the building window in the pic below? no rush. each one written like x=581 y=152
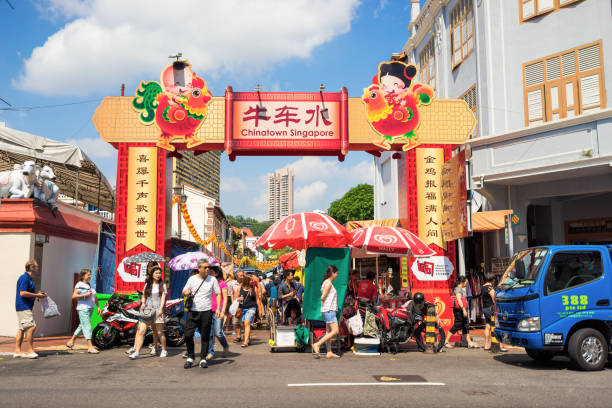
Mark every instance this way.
x=470 y=98
x=427 y=65
x=529 y=9
x=563 y=85
x=462 y=31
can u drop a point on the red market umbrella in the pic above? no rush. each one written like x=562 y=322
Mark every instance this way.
x=390 y=241
x=305 y=230
x=290 y=260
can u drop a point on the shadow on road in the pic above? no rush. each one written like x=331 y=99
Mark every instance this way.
x=524 y=361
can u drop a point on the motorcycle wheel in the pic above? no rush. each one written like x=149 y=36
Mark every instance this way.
x=104 y=339
x=419 y=336
x=175 y=333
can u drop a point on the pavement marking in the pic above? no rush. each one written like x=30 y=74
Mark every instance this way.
x=359 y=384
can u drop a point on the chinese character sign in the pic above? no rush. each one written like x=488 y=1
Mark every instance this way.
x=286 y=120
x=404 y=272
x=178 y=104
x=429 y=163
x=392 y=104
x=142 y=197
x=454 y=196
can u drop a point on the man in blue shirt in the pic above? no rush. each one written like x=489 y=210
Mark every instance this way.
x=24 y=303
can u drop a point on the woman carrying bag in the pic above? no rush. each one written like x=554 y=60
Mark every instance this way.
x=86 y=298
x=152 y=313
x=329 y=310
x=250 y=302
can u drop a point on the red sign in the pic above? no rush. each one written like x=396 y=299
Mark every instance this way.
x=286 y=123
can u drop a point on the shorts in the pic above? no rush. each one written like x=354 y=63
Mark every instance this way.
x=25 y=319
x=487 y=311
x=153 y=320
x=248 y=314
x=329 y=316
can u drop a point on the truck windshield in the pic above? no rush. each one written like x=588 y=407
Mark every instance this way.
x=524 y=268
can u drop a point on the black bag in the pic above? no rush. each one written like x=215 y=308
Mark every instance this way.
x=188 y=301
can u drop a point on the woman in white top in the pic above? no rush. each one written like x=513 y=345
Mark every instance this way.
x=86 y=299
x=154 y=296
x=329 y=309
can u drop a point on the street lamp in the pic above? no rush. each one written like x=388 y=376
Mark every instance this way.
x=179 y=191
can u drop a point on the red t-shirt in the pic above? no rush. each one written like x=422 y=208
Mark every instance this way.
x=366 y=289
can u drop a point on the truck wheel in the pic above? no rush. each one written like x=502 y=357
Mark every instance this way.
x=588 y=349
x=540 y=355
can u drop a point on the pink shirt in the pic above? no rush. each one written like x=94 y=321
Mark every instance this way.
x=222 y=285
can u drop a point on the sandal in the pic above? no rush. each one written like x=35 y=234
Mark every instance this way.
x=93 y=351
x=315 y=352
x=70 y=346
x=332 y=356
x=448 y=345
x=237 y=340
x=244 y=345
x=474 y=346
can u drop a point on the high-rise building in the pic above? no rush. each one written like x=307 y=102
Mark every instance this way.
x=201 y=172
x=280 y=193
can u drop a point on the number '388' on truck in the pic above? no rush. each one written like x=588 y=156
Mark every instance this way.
x=556 y=300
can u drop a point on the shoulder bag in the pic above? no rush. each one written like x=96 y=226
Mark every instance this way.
x=189 y=299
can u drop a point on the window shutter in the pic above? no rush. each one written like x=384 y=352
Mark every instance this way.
x=545 y=5
x=535 y=105
x=534 y=73
x=589 y=91
x=553 y=69
x=589 y=58
x=568 y=63
x=528 y=8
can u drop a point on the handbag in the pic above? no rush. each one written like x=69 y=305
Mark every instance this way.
x=188 y=301
x=148 y=312
x=233 y=309
x=355 y=324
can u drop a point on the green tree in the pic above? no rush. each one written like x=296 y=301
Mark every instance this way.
x=356 y=204
x=257 y=227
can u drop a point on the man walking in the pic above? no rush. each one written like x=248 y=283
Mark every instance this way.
x=201 y=287
x=24 y=303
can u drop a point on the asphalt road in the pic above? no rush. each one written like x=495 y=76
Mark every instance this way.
x=254 y=377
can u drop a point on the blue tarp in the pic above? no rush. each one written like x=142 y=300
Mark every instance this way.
x=178 y=279
x=105 y=277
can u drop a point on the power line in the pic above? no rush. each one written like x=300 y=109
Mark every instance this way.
x=29 y=108
x=10 y=5
x=5 y=102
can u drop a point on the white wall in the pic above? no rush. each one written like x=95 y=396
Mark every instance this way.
x=61 y=259
x=386 y=195
x=196 y=206
x=15 y=249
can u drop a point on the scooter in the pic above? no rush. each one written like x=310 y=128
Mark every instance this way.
x=399 y=325
x=120 y=320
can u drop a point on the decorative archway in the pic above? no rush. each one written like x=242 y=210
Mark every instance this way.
x=179 y=113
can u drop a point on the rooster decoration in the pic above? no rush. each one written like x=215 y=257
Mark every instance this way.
x=392 y=102
x=178 y=109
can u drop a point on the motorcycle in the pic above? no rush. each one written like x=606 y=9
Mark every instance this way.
x=399 y=325
x=120 y=320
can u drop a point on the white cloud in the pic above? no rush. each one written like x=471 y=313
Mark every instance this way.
x=233 y=185
x=306 y=197
x=310 y=168
x=362 y=172
x=94 y=147
x=113 y=41
x=381 y=6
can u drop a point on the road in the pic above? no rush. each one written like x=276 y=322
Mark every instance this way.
x=254 y=377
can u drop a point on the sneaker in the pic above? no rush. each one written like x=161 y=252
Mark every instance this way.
x=225 y=350
x=188 y=363
x=203 y=364
x=153 y=351
x=185 y=355
x=29 y=355
x=163 y=354
x=133 y=356
x=130 y=351
x=209 y=356
x=17 y=355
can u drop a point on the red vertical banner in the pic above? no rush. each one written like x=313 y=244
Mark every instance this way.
x=141 y=210
x=433 y=276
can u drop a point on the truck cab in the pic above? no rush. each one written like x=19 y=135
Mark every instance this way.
x=556 y=300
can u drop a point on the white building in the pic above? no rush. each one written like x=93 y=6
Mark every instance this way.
x=535 y=72
x=280 y=193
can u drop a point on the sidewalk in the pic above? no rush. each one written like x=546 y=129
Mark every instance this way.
x=52 y=343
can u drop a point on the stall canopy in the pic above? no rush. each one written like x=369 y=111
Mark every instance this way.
x=388 y=222
x=489 y=220
x=76 y=174
x=290 y=260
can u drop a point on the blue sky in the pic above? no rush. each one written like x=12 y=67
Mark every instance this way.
x=58 y=52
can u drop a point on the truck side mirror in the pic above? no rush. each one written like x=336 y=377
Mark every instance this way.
x=520 y=270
